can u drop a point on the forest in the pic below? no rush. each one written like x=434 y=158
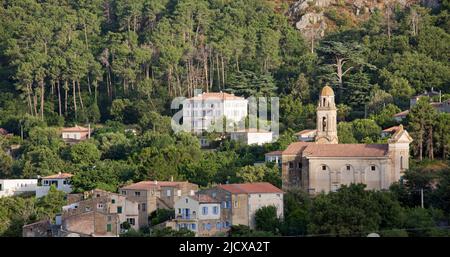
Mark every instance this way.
x=117 y=65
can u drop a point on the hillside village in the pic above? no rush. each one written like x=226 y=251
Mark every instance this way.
x=350 y=136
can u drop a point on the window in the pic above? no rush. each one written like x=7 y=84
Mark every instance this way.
x=215 y=210
x=291 y=165
x=227 y=224
x=214 y=194
x=108 y=227
x=100 y=206
x=109 y=218
x=187 y=200
x=348 y=167
x=299 y=165
x=205 y=210
x=113 y=200
x=131 y=221
x=259 y=196
x=65 y=182
x=124 y=192
x=168 y=193
x=119 y=209
x=401 y=163
x=324 y=167
x=137 y=193
x=179 y=210
x=45 y=182
x=236 y=204
x=218 y=226
x=144 y=206
x=372 y=167
x=208 y=226
x=193 y=226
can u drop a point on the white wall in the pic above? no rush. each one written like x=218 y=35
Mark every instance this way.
x=43 y=190
x=11 y=187
x=256 y=201
x=210 y=215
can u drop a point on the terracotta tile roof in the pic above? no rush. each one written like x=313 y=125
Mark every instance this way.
x=251 y=188
x=251 y=130
x=3 y=131
x=216 y=95
x=296 y=148
x=75 y=129
x=274 y=153
x=346 y=150
x=59 y=176
x=403 y=113
x=305 y=131
x=391 y=129
x=327 y=91
x=145 y=185
x=202 y=198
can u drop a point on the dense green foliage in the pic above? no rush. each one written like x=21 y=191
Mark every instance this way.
x=118 y=64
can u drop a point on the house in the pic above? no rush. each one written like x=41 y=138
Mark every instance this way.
x=203 y=111
x=389 y=131
x=11 y=187
x=153 y=195
x=239 y=202
x=274 y=156
x=61 y=181
x=252 y=136
x=324 y=165
x=100 y=213
x=306 y=135
x=42 y=228
x=76 y=134
x=199 y=213
x=401 y=115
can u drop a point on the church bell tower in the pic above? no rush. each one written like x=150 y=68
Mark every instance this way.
x=326 y=118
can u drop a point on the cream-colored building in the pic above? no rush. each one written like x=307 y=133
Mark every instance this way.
x=324 y=165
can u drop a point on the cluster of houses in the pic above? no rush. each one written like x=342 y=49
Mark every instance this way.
x=207 y=212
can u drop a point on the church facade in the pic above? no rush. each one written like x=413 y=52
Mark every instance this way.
x=324 y=165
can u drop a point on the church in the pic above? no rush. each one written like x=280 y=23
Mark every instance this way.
x=324 y=165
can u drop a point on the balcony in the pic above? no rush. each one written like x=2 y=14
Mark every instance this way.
x=186 y=217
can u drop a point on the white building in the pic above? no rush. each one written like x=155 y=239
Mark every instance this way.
x=274 y=156
x=10 y=187
x=252 y=136
x=199 y=213
x=208 y=109
x=60 y=180
x=75 y=134
x=306 y=135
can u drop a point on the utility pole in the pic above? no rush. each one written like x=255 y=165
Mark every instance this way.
x=421 y=197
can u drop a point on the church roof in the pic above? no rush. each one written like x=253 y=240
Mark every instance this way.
x=327 y=91
x=346 y=150
x=311 y=149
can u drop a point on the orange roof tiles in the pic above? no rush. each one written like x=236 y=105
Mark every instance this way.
x=145 y=185
x=251 y=188
x=346 y=150
x=59 y=176
x=220 y=95
x=75 y=129
x=274 y=153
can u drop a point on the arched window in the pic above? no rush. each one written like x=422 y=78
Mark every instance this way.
x=401 y=162
x=324 y=123
x=323 y=102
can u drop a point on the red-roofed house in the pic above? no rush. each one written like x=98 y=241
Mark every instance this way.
x=239 y=202
x=199 y=213
x=152 y=195
x=306 y=135
x=75 y=134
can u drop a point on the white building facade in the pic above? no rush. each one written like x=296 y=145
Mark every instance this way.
x=252 y=136
x=11 y=187
x=204 y=111
x=61 y=181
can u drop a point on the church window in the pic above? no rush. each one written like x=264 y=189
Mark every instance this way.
x=324 y=167
x=401 y=162
x=324 y=123
x=323 y=102
x=348 y=167
x=372 y=167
